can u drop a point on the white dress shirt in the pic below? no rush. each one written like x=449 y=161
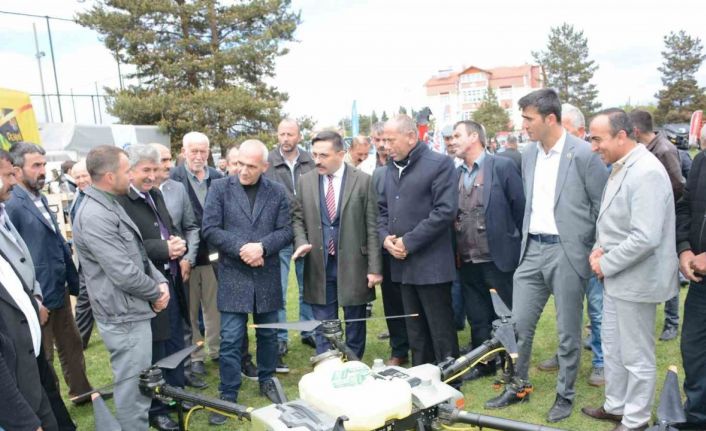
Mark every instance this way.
x=337 y=181
x=546 y=170
x=13 y=285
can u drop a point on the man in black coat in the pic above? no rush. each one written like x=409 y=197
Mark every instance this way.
x=417 y=205
x=145 y=206
x=691 y=245
x=24 y=404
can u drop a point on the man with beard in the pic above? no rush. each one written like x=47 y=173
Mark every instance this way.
x=124 y=287
x=29 y=212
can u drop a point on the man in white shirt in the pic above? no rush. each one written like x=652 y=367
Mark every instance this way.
x=563 y=181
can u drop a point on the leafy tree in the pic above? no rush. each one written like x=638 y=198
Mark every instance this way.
x=681 y=94
x=567 y=68
x=363 y=125
x=307 y=124
x=374 y=117
x=491 y=115
x=201 y=65
x=402 y=110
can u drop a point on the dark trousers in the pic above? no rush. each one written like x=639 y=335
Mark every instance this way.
x=52 y=411
x=671 y=312
x=355 y=331
x=84 y=315
x=693 y=351
x=233 y=329
x=61 y=330
x=476 y=280
x=432 y=335
x=392 y=304
x=164 y=348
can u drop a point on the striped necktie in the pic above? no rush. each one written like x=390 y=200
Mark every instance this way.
x=331 y=208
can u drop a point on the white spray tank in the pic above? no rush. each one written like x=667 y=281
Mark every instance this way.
x=349 y=389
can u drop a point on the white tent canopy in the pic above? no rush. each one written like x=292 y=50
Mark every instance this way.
x=64 y=141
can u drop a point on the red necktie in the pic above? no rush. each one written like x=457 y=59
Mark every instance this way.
x=331 y=208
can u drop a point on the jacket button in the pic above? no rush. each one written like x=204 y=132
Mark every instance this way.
x=31 y=351
x=23 y=260
x=23 y=321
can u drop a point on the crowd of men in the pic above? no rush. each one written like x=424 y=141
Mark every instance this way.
x=170 y=256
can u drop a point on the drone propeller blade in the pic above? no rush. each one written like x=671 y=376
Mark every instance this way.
x=172 y=361
x=670 y=410
x=104 y=420
x=400 y=316
x=498 y=305
x=303 y=325
x=506 y=335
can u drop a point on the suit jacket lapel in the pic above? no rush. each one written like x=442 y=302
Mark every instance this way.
x=487 y=179
x=262 y=196
x=31 y=207
x=240 y=197
x=614 y=184
x=349 y=179
x=567 y=158
x=528 y=173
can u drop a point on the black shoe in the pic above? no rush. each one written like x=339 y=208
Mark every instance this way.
x=560 y=410
x=282 y=348
x=248 y=370
x=309 y=341
x=216 y=419
x=273 y=391
x=669 y=333
x=194 y=381
x=197 y=367
x=281 y=368
x=478 y=372
x=509 y=397
x=163 y=423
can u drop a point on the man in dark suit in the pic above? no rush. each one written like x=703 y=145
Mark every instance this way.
x=29 y=212
x=246 y=218
x=24 y=404
x=563 y=181
x=417 y=206
x=197 y=178
x=334 y=222
x=511 y=152
x=145 y=206
x=488 y=230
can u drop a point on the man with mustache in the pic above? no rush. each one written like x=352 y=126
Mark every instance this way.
x=29 y=212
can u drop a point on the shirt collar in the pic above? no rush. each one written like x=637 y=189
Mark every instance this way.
x=625 y=158
x=296 y=159
x=193 y=175
x=139 y=193
x=478 y=162
x=339 y=172
x=557 y=148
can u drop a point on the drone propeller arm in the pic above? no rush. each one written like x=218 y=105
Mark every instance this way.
x=470 y=358
x=228 y=407
x=453 y=415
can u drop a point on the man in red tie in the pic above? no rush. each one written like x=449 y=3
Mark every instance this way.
x=334 y=222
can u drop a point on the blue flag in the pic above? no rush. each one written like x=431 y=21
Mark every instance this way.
x=355 y=127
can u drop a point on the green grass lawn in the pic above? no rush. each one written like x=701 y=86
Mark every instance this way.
x=476 y=392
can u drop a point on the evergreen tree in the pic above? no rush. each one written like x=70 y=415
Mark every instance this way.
x=374 y=117
x=384 y=116
x=402 y=110
x=491 y=115
x=566 y=68
x=201 y=65
x=681 y=94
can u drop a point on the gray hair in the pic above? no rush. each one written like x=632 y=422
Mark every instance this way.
x=231 y=150
x=255 y=145
x=404 y=124
x=574 y=114
x=378 y=128
x=142 y=153
x=194 y=138
x=79 y=166
x=19 y=150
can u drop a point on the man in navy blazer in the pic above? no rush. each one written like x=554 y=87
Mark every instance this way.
x=488 y=230
x=418 y=205
x=56 y=273
x=247 y=219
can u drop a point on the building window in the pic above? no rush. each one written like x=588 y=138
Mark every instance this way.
x=466 y=115
x=504 y=93
x=473 y=77
x=474 y=95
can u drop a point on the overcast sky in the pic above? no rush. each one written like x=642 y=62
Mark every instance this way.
x=378 y=52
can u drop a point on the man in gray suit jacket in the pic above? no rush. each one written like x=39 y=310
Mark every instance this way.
x=635 y=255
x=343 y=260
x=563 y=182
